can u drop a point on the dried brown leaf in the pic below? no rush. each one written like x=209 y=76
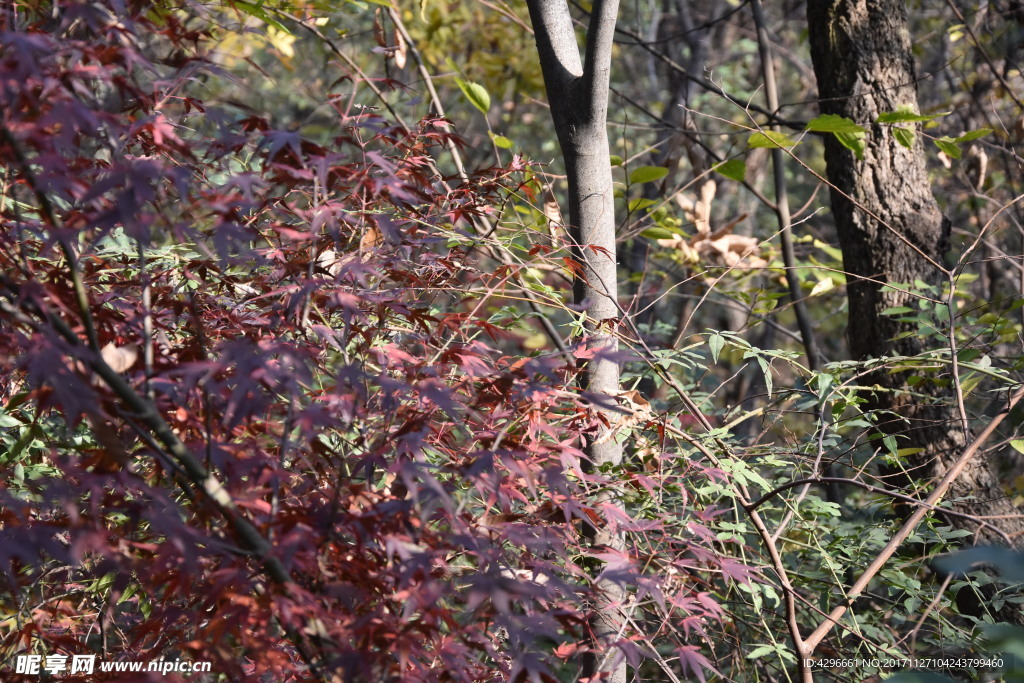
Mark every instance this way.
x=119 y=358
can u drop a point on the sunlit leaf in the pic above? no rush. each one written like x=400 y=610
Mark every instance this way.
x=501 y=141
x=974 y=135
x=906 y=115
x=898 y=310
x=657 y=233
x=647 y=174
x=735 y=169
x=948 y=146
x=476 y=94
x=823 y=286
x=769 y=139
x=119 y=358
x=853 y=142
x=715 y=343
x=283 y=41
x=832 y=123
x=903 y=136
x=640 y=203
x=761 y=651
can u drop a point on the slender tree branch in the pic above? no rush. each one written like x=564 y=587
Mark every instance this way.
x=1007 y=88
x=782 y=194
x=46 y=209
x=597 y=67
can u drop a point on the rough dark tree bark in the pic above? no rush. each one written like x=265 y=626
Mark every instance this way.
x=892 y=231
x=578 y=95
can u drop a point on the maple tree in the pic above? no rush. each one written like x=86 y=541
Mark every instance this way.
x=263 y=412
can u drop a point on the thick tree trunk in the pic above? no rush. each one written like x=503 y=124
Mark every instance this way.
x=892 y=231
x=578 y=97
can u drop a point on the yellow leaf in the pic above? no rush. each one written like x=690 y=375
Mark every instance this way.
x=823 y=286
x=283 y=42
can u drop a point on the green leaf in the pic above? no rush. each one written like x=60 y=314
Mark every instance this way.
x=500 y=140
x=15 y=451
x=656 y=233
x=825 y=383
x=131 y=590
x=833 y=123
x=1008 y=563
x=476 y=94
x=769 y=139
x=616 y=160
x=734 y=169
x=1018 y=445
x=969 y=382
x=715 y=343
x=897 y=310
x=967 y=355
x=256 y=10
x=640 y=203
x=834 y=252
x=974 y=135
x=948 y=146
x=647 y=174
x=904 y=136
x=761 y=651
x=104 y=582
x=766 y=370
x=853 y=142
x=907 y=115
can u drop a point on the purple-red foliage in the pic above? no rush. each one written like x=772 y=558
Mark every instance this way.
x=301 y=323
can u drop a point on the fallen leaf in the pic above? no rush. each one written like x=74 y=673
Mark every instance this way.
x=372 y=239
x=119 y=358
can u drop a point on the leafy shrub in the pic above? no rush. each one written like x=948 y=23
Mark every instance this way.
x=259 y=406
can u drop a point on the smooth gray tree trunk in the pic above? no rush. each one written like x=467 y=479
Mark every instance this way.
x=578 y=95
